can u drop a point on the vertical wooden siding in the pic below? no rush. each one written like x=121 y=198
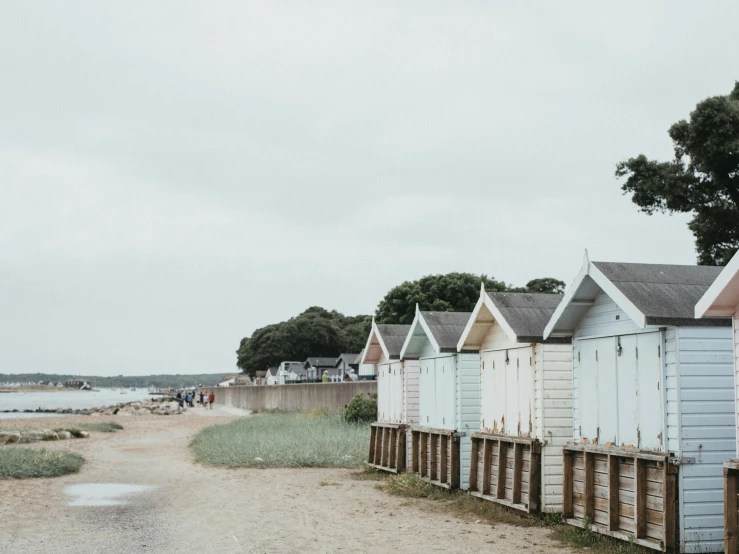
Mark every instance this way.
x=410 y=402
x=468 y=408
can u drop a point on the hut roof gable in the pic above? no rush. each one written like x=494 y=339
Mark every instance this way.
x=384 y=340
x=441 y=329
x=521 y=315
x=722 y=297
x=650 y=294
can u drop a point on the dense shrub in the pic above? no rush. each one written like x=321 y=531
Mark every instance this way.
x=361 y=409
x=28 y=463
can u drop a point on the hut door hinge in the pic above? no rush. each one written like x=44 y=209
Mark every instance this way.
x=685 y=460
x=659 y=350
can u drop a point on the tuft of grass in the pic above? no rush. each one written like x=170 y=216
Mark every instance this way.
x=29 y=463
x=320 y=411
x=587 y=539
x=370 y=474
x=283 y=440
x=410 y=485
x=102 y=427
x=325 y=483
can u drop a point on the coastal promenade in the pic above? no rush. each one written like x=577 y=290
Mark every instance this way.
x=179 y=506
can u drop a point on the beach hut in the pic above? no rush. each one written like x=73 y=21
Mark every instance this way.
x=722 y=300
x=525 y=401
x=397 y=396
x=652 y=422
x=448 y=399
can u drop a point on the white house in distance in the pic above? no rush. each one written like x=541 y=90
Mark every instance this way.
x=721 y=300
x=653 y=406
x=526 y=393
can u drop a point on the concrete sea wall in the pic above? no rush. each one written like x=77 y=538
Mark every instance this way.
x=292 y=398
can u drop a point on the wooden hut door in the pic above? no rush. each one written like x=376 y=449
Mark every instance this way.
x=493 y=402
x=445 y=398
x=427 y=393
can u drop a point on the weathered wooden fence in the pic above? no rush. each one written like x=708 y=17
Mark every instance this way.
x=731 y=507
x=628 y=494
x=387 y=447
x=505 y=470
x=435 y=456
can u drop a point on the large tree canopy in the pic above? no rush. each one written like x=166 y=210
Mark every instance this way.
x=315 y=332
x=455 y=292
x=702 y=179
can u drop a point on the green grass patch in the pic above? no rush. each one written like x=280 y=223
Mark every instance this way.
x=283 y=440
x=588 y=540
x=101 y=427
x=29 y=463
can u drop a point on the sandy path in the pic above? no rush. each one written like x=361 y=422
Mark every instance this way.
x=194 y=508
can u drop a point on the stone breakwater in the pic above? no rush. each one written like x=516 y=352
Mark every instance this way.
x=150 y=406
x=11 y=437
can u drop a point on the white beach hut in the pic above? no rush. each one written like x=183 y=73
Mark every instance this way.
x=397 y=396
x=652 y=421
x=722 y=300
x=526 y=400
x=449 y=397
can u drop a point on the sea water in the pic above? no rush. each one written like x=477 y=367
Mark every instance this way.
x=75 y=399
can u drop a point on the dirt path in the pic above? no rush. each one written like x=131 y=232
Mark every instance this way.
x=191 y=508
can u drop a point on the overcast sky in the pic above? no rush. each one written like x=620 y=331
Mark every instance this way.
x=174 y=175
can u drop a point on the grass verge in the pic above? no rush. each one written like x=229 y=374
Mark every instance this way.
x=29 y=463
x=283 y=440
x=459 y=503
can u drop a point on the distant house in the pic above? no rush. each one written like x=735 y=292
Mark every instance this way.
x=316 y=367
x=227 y=381
x=75 y=383
x=243 y=380
x=272 y=377
x=348 y=365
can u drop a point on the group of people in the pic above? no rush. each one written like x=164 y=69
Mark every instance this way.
x=187 y=398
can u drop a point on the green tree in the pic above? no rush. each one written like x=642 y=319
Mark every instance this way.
x=547 y=285
x=702 y=179
x=455 y=292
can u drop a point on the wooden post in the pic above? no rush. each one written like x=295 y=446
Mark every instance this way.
x=640 y=498
x=517 y=470
x=392 y=458
x=487 y=462
x=443 y=477
x=669 y=506
x=378 y=446
x=454 y=459
x=415 y=437
x=534 y=477
x=731 y=542
x=382 y=446
x=373 y=437
x=474 y=461
x=613 y=470
x=502 y=455
x=589 y=489
x=567 y=474
x=434 y=440
x=423 y=440
x=401 y=449
x=386 y=447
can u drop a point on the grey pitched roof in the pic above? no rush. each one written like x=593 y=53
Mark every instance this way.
x=393 y=336
x=349 y=359
x=446 y=327
x=526 y=313
x=273 y=371
x=665 y=294
x=321 y=362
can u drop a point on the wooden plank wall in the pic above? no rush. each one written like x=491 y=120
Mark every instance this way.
x=622 y=493
x=435 y=456
x=505 y=470
x=387 y=447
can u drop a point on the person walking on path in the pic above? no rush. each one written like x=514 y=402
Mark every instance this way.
x=202 y=395
x=211 y=399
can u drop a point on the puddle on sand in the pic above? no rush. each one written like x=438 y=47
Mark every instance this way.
x=103 y=494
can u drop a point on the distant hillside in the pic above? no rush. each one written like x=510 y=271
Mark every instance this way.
x=159 y=381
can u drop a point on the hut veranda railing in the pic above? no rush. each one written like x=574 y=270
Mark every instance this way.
x=627 y=494
x=387 y=447
x=435 y=456
x=505 y=469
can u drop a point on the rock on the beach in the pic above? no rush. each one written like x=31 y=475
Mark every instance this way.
x=9 y=437
x=64 y=435
x=84 y=434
